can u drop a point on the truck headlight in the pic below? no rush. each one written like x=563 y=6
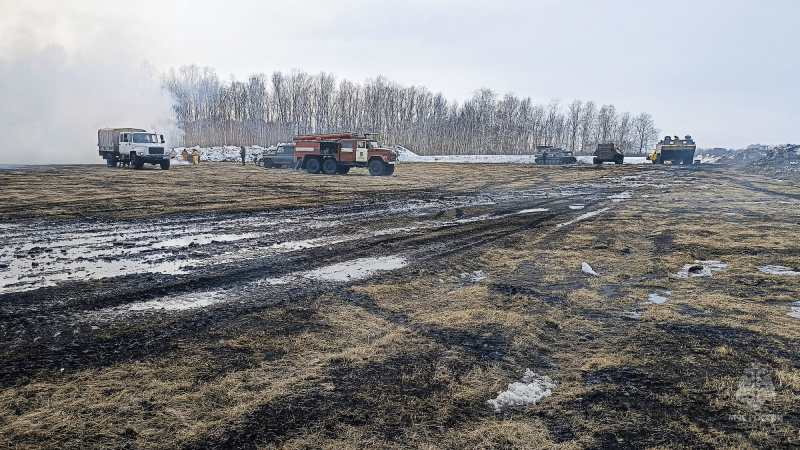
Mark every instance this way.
x=141 y=153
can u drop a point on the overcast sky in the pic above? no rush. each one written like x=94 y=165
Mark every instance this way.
x=725 y=71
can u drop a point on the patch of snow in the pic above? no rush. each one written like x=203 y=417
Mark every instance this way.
x=658 y=299
x=583 y=216
x=577 y=207
x=633 y=314
x=587 y=269
x=620 y=197
x=533 y=210
x=475 y=277
x=779 y=270
x=795 y=312
x=701 y=269
x=528 y=391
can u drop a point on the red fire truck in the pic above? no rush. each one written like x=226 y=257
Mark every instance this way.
x=337 y=153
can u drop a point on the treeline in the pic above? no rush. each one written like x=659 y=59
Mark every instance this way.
x=266 y=110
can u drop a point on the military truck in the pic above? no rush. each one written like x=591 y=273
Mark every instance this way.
x=131 y=146
x=608 y=153
x=674 y=150
x=280 y=156
x=338 y=153
x=552 y=156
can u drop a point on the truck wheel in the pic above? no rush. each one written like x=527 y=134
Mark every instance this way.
x=595 y=161
x=313 y=165
x=329 y=166
x=341 y=170
x=375 y=167
x=111 y=162
x=165 y=165
x=138 y=163
x=619 y=160
x=388 y=170
x=268 y=164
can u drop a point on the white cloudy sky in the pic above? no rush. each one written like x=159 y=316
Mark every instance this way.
x=725 y=71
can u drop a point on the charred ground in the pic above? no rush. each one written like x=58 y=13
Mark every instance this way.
x=273 y=351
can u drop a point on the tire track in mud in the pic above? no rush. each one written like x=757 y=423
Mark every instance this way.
x=54 y=335
x=38 y=323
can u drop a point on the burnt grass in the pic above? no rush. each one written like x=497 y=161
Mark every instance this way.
x=409 y=357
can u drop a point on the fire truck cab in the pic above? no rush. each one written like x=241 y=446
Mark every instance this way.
x=338 y=153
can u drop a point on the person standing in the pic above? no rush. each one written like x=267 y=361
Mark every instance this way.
x=244 y=154
x=195 y=157
x=185 y=156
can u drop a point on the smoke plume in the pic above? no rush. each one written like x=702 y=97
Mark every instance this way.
x=53 y=103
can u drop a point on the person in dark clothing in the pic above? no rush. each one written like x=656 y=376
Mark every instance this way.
x=244 y=154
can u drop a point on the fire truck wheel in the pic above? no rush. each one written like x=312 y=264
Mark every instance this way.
x=329 y=166
x=388 y=170
x=375 y=167
x=343 y=170
x=313 y=165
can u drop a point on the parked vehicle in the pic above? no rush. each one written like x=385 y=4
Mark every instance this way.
x=550 y=156
x=280 y=156
x=132 y=146
x=674 y=150
x=608 y=153
x=338 y=153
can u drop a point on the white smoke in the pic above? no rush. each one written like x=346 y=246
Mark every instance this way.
x=53 y=103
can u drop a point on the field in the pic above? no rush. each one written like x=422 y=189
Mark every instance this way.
x=221 y=306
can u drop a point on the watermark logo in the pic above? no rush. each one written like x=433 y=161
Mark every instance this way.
x=755 y=387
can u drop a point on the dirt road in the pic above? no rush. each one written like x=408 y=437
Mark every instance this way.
x=221 y=306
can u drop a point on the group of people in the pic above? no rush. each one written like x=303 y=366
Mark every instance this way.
x=193 y=157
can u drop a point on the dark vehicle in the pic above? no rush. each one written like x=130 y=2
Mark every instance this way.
x=552 y=156
x=281 y=156
x=608 y=153
x=674 y=150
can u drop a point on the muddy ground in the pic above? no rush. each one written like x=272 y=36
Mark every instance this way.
x=220 y=306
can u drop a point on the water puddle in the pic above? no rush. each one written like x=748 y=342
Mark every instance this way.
x=701 y=269
x=533 y=210
x=356 y=269
x=204 y=239
x=779 y=270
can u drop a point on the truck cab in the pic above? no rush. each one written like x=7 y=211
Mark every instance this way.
x=131 y=146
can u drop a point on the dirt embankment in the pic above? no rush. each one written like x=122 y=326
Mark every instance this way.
x=239 y=307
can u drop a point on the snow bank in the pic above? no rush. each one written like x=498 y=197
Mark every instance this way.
x=528 y=391
x=225 y=153
x=407 y=155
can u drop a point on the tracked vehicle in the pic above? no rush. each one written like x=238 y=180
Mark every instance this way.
x=674 y=150
x=608 y=153
x=553 y=156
